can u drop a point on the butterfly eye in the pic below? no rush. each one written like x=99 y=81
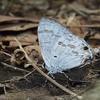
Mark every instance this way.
x=85 y=48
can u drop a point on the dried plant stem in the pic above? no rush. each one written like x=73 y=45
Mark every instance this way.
x=7 y=54
x=13 y=67
x=85 y=26
x=46 y=76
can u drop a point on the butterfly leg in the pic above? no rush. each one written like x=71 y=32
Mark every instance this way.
x=51 y=75
x=43 y=65
x=46 y=81
x=66 y=76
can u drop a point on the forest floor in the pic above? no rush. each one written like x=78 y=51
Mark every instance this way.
x=18 y=78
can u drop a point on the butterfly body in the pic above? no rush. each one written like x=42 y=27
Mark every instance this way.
x=60 y=48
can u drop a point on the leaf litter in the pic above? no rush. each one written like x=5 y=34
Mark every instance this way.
x=18 y=73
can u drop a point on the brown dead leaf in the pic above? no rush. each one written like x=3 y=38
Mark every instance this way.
x=26 y=38
x=18 y=27
x=12 y=18
x=77 y=30
x=28 y=49
x=8 y=23
x=96 y=36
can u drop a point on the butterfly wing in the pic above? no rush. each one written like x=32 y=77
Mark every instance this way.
x=67 y=54
x=61 y=50
x=48 y=33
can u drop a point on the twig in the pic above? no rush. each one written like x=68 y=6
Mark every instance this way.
x=85 y=26
x=45 y=75
x=71 y=18
x=77 y=10
x=13 y=67
x=18 y=78
x=29 y=73
x=5 y=90
x=7 y=54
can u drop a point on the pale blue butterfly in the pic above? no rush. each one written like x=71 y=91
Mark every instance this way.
x=60 y=48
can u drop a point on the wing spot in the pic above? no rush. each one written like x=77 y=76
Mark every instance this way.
x=85 y=48
x=62 y=44
x=59 y=43
x=71 y=46
x=55 y=56
x=46 y=30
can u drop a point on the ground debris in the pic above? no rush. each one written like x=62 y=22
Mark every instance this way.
x=18 y=76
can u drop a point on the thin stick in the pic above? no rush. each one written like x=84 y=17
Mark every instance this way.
x=28 y=74
x=13 y=67
x=85 y=26
x=7 y=54
x=45 y=75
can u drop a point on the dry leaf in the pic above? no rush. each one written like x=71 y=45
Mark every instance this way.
x=8 y=23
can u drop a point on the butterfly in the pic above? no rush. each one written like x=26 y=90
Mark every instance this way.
x=60 y=48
